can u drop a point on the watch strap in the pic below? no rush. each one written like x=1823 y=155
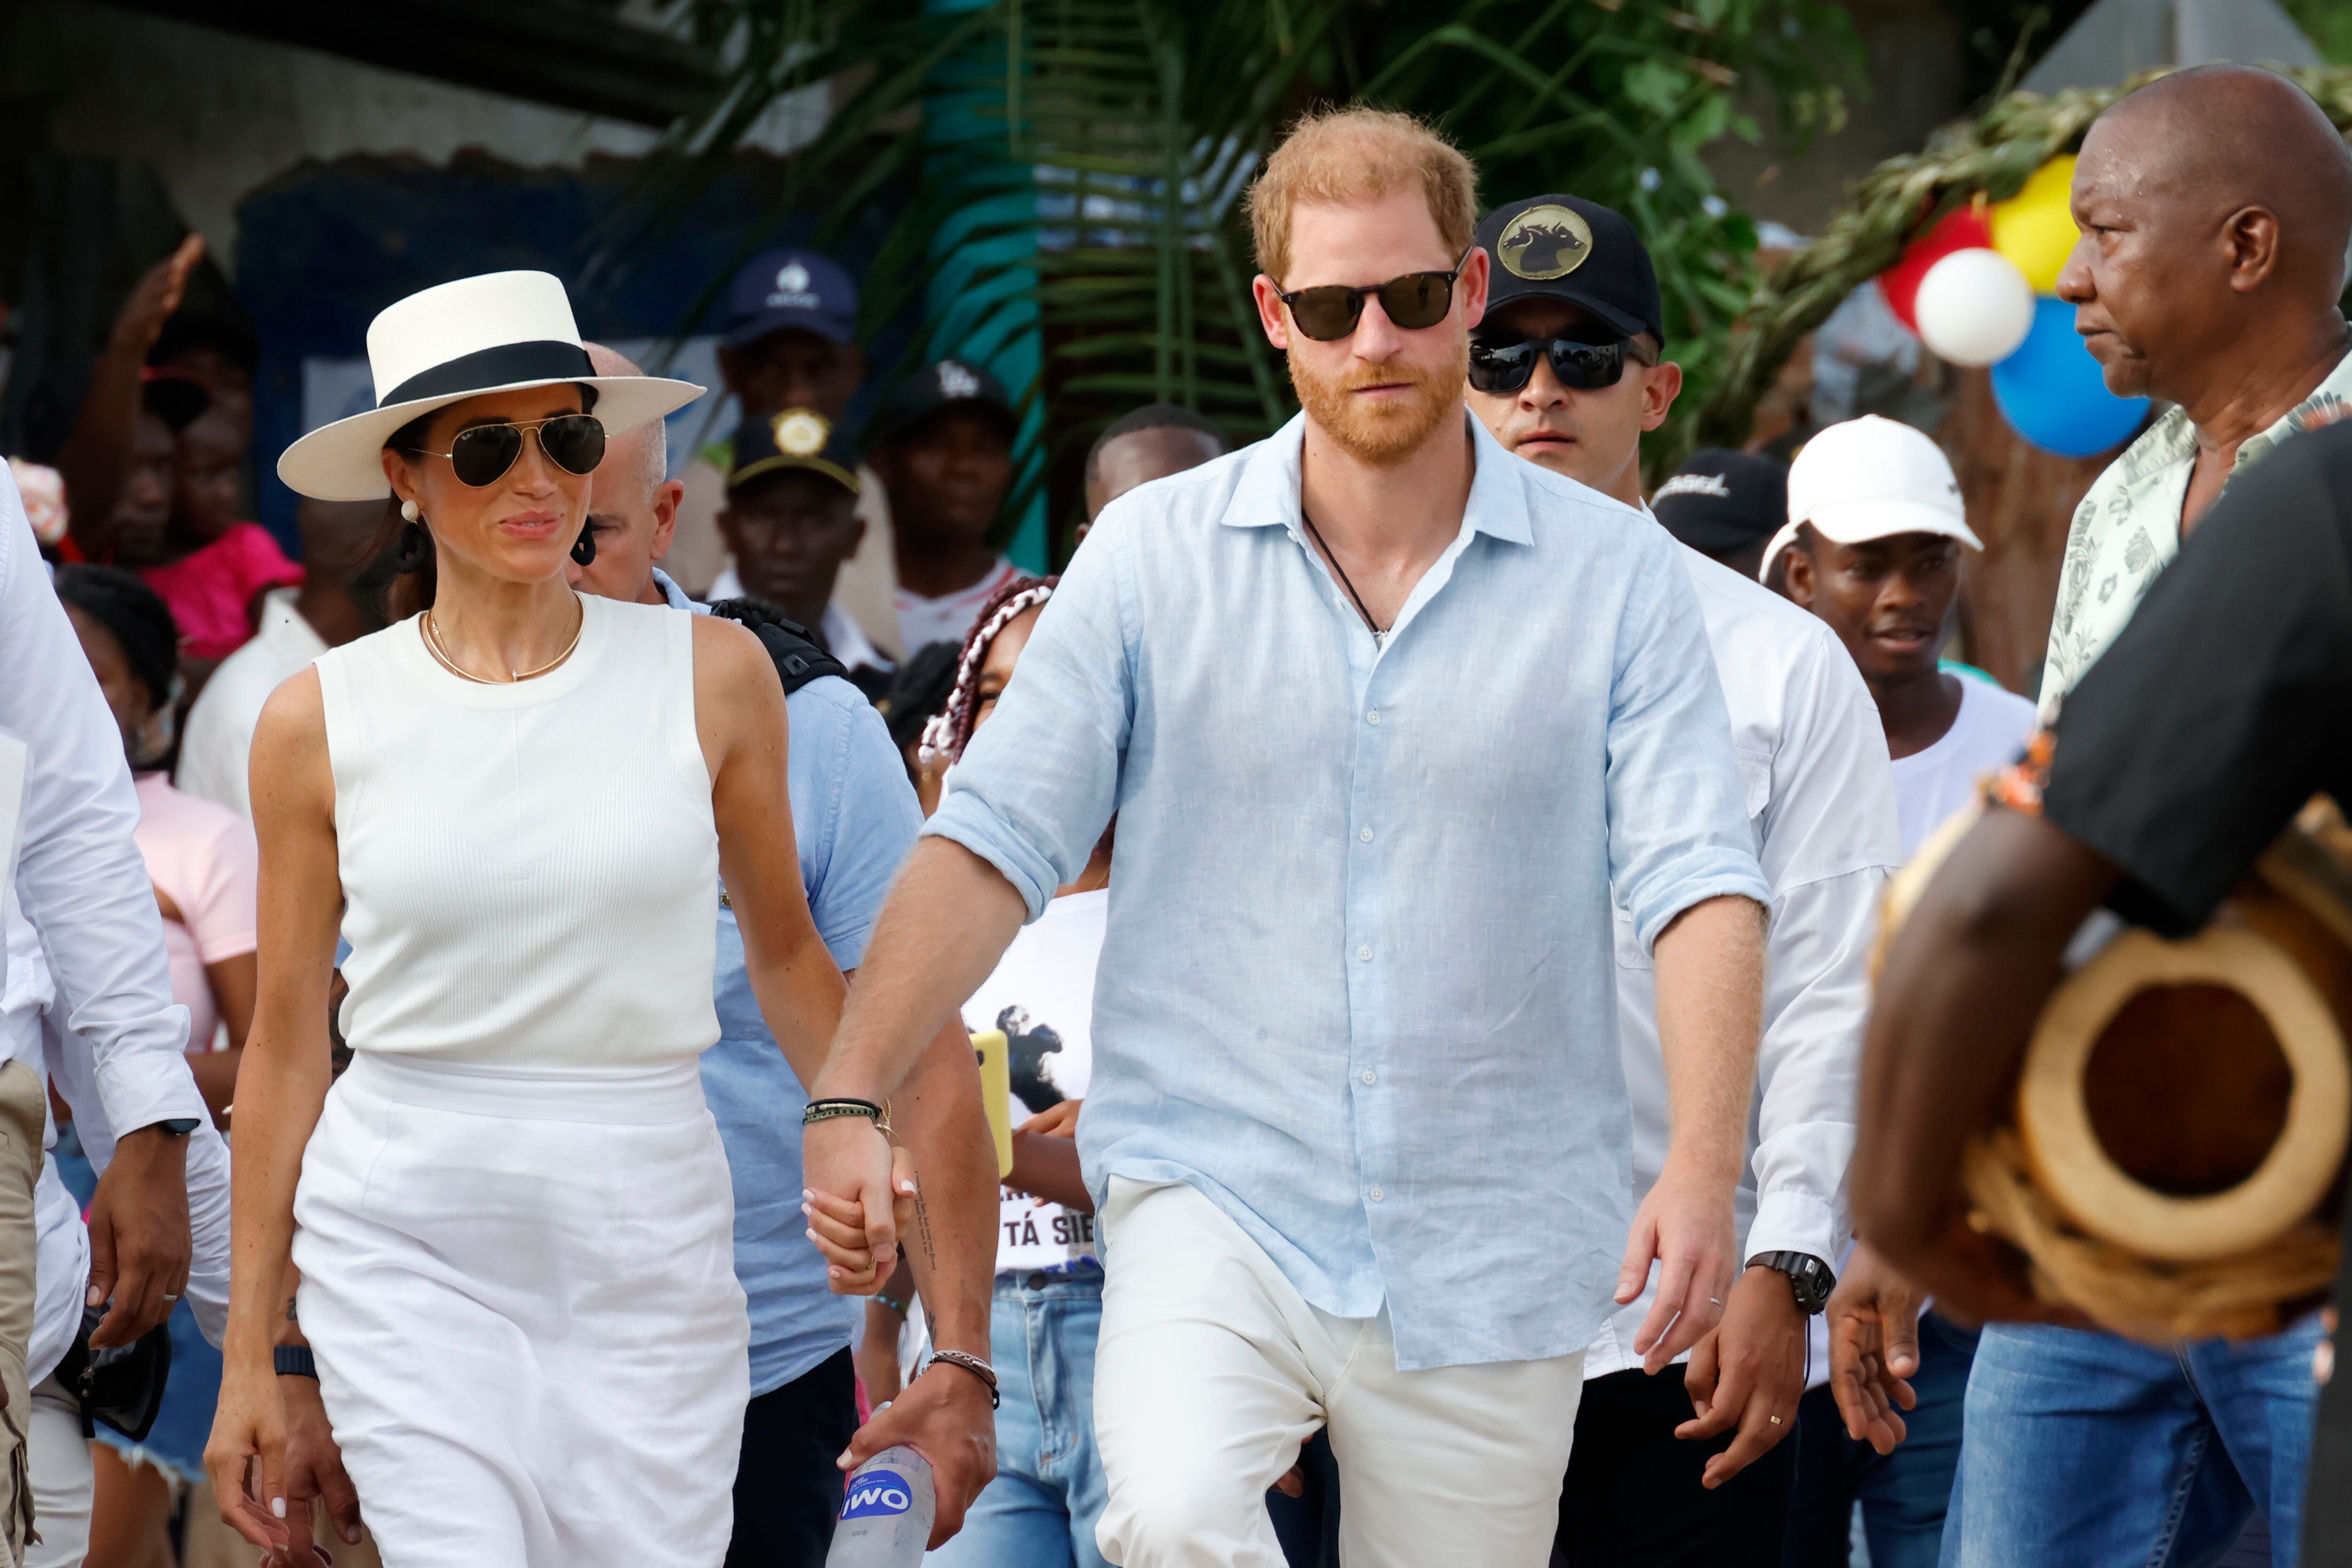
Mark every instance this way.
x=295 y=1360
x=1811 y=1279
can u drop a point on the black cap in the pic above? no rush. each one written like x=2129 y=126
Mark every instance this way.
x=796 y=438
x=1720 y=499
x=934 y=389
x=1565 y=247
x=794 y=288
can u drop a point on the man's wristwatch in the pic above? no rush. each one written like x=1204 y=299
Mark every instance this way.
x=294 y=1361
x=1810 y=1279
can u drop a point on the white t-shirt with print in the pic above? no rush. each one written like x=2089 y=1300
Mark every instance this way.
x=1042 y=996
x=1991 y=728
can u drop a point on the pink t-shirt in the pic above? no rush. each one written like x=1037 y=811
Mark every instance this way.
x=212 y=590
x=202 y=858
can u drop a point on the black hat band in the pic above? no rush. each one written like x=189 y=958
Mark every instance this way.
x=501 y=366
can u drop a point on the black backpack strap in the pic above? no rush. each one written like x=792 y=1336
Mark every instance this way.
x=799 y=658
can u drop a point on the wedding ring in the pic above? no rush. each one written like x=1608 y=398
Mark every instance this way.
x=1714 y=1300
x=168 y=1297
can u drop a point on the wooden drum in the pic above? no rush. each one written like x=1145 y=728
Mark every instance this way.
x=2172 y=1161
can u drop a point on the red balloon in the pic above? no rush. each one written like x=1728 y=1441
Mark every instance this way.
x=1964 y=229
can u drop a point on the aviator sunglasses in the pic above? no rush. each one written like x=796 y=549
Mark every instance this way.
x=481 y=454
x=1330 y=312
x=1580 y=367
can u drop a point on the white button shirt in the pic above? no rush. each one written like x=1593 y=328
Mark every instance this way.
x=1821 y=797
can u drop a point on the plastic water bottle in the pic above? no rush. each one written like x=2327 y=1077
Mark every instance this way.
x=886 y=1517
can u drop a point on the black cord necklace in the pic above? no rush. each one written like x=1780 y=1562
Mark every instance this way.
x=1379 y=632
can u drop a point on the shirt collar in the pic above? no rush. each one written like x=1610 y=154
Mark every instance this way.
x=1267 y=491
x=675 y=596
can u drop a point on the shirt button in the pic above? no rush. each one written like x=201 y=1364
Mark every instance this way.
x=1372 y=1076
x=1364 y=954
x=1376 y=1194
x=1373 y=717
x=1366 y=835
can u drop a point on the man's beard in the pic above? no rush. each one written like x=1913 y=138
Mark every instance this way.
x=1385 y=433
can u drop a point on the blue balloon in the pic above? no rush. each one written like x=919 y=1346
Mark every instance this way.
x=2050 y=392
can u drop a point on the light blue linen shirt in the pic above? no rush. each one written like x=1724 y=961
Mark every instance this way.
x=1359 y=986
x=854 y=819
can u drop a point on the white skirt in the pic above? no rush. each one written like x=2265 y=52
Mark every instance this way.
x=521 y=1293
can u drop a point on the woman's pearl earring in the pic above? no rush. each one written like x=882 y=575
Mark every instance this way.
x=408 y=511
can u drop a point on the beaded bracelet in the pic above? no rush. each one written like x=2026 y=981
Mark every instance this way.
x=827 y=1109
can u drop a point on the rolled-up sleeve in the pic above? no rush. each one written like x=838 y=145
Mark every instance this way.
x=1678 y=830
x=79 y=877
x=1036 y=787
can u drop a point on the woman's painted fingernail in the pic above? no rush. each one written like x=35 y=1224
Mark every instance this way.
x=351 y=1534
x=807 y=1194
x=810 y=1233
x=97 y=1298
x=278 y=1507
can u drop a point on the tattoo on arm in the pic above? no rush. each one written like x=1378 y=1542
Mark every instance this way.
x=289 y=1311
x=923 y=1230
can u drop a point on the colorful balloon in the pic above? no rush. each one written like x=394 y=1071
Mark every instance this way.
x=1962 y=230
x=2050 y=392
x=1974 y=308
x=2035 y=228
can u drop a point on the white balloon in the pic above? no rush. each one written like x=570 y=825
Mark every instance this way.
x=1974 y=307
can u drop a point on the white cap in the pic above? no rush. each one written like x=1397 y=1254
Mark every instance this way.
x=1869 y=478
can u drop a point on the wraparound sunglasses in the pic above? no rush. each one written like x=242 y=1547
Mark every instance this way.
x=480 y=455
x=1580 y=367
x=1330 y=312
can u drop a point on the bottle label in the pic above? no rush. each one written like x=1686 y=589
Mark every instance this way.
x=875 y=1493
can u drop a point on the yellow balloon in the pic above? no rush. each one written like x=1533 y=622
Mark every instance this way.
x=2035 y=228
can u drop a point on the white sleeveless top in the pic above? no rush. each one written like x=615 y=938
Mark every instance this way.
x=529 y=871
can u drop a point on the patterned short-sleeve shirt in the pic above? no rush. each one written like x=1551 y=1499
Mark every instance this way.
x=2127 y=530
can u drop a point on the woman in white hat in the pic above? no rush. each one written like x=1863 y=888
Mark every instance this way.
x=514 y=1215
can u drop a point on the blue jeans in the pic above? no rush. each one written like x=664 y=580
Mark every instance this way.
x=2089 y=1450
x=1903 y=1494
x=1039 y=1510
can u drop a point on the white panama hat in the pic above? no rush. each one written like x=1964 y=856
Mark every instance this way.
x=1871 y=477
x=502 y=331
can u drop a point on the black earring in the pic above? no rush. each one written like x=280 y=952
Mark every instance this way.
x=584 y=549
x=415 y=548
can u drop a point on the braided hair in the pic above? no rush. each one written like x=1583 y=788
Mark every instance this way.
x=949 y=731
x=135 y=615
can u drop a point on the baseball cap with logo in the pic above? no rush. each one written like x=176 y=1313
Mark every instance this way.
x=935 y=389
x=1721 y=500
x=796 y=438
x=1565 y=247
x=794 y=288
x=1868 y=478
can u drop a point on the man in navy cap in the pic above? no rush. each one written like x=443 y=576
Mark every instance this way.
x=1677 y=1466
x=943 y=448
x=791 y=519
x=790 y=343
x=1726 y=505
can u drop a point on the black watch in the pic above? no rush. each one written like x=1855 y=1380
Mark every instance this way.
x=294 y=1361
x=1810 y=1279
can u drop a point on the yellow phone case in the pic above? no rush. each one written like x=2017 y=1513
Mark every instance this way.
x=995 y=1054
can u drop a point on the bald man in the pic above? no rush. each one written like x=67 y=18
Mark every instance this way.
x=2215 y=206
x=632 y=506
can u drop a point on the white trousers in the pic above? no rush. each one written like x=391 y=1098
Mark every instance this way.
x=1211 y=1370
x=63 y=1479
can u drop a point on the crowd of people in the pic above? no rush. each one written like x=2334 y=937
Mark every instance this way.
x=1428 y=885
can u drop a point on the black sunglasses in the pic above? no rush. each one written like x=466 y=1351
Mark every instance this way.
x=1330 y=312
x=480 y=455
x=1580 y=367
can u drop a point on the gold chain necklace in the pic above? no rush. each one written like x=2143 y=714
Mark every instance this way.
x=440 y=655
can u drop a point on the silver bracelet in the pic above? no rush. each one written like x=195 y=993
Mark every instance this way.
x=974 y=1365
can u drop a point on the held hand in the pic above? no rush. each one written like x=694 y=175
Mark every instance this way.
x=1686 y=1225
x=856 y=1264
x=314 y=1469
x=1750 y=1373
x=139 y=1245
x=246 y=1455
x=1874 y=1322
x=945 y=1415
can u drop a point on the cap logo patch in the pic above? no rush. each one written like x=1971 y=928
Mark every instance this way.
x=1543 y=243
x=792 y=291
x=957 y=381
x=801 y=431
x=1693 y=485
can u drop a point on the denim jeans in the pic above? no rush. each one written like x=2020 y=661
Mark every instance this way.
x=2087 y=1450
x=1039 y=1510
x=1903 y=1494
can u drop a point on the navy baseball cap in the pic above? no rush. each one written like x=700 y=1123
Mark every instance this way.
x=1565 y=247
x=794 y=288
x=1720 y=499
x=934 y=389
x=796 y=438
